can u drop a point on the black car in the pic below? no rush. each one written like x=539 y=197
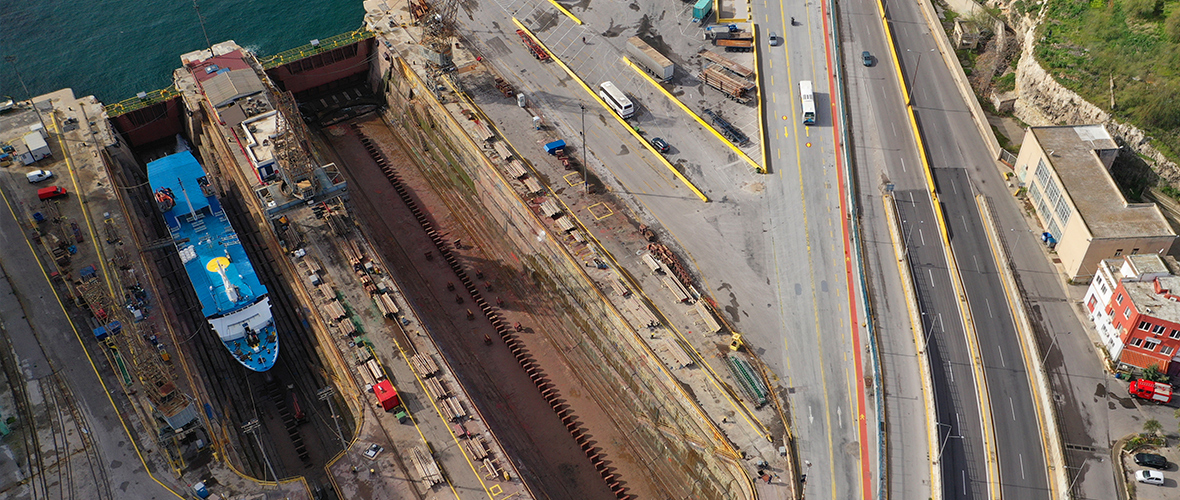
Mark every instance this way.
x=1151 y=460
x=660 y=145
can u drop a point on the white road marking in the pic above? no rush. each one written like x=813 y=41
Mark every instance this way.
x=810 y=417
x=923 y=236
x=931 y=278
x=951 y=375
x=1021 y=465
x=1001 y=351
x=1012 y=406
x=989 y=308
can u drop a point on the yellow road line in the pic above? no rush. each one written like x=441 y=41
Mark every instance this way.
x=762 y=137
x=106 y=391
x=566 y=12
x=981 y=388
x=597 y=99
x=690 y=112
x=918 y=331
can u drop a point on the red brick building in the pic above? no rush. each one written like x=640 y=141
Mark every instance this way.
x=1146 y=315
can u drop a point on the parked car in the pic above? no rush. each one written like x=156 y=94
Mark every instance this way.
x=775 y=40
x=660 y=144
x=1150 y=477
x=1151 y=460
x=867 y=57
x=38 y=176
x=373 y=451
x=46 y=193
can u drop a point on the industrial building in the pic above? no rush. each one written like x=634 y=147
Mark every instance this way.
x=1084 y=215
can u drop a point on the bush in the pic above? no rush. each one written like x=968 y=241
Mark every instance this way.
x=1143 y=8
x=1154 y=374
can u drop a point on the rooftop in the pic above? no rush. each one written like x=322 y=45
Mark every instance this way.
x=259 y=133
x=1147 y=301
x=1071 y=151
x=1146 y=263
x=208 y=68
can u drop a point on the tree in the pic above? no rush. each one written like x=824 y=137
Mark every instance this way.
x=1172 y=25
x=1152 y=426
x=1154 y=374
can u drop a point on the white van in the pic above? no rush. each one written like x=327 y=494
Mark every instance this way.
x=38 y=176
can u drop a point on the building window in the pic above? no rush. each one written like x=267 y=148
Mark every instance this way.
x=1063 y=211
x=1098 y=279
x=1158 y=329
x=1042 y=173
x=1167 y=350
x=1034 y=192
x=1119 y=299
x=1118 y=252
x=1144 y=325
x=1136 y=341
x=1127 y=313
x=1052 y=192
x=1134 y=251
x=1150 y=344
x=1104 y=289
x=1175 y=334
x=1043 y=209
x=1053 y=229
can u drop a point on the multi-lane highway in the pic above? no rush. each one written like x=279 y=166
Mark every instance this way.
x=818 y=348
x=957 y=157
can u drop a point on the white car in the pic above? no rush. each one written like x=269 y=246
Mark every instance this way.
x=38 y=176
x=1150 y=477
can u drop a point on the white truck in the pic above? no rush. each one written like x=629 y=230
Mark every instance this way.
x=650 y=59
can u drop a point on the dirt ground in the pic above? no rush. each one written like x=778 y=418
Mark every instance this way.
x=548 y=457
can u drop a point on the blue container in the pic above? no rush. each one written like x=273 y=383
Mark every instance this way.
x=552 y=147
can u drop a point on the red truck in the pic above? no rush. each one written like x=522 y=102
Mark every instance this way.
x=1151 y=391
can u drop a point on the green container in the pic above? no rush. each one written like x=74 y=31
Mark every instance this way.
x=702 y=9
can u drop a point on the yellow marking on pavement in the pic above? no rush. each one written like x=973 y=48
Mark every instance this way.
x=786 y=132
x=566 y=12
x=600 y=102
x=77 y=336
x=574 y=176
x=602 y=215
x=693 y=114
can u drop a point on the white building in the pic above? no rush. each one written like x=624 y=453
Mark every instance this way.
x=36 y=149
x=1110 y=272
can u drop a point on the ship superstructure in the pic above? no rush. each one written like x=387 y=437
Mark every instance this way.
x=233 y=300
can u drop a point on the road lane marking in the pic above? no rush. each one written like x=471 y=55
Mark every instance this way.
x=1001 y=351
x=931 y=273
x=923 y=237
x=989 y=308
x=1021 y=456
x=1012 y=406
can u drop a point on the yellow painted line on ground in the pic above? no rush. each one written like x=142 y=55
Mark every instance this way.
x=918 y=331
x=566 y=12
x=695 y=116
x=981 y=388
x=105 y=389
x=1036 y=379
x=570 y=181
x=440 y=415
x=762 y=137
x=611 y=111
x=102 y=262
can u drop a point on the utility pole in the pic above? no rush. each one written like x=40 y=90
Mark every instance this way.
x=585 y=180
x=12 y=60
x=251 y=427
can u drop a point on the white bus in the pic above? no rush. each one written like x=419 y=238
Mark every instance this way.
x=808 y=102
x=616 y=99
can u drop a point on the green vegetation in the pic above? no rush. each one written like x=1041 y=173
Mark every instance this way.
x=1006 y=83
x=1086 y=44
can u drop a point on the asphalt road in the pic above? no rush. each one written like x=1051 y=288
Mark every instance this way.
x=959 y=158
x=804 y=205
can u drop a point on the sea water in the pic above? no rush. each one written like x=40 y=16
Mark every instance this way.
x=113 y=49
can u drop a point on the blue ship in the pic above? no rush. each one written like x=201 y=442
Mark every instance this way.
x=234 y=302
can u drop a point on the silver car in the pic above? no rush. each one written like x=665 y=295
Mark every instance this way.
x=1150 y=477
x=38 y=176
x=775 y=40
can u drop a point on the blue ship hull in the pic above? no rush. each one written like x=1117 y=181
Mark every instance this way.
x=234 y=302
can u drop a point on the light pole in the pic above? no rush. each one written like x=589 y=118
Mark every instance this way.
x=914 y=79
x=942 y=447
x=251 y=427
x=585 y=180
x=12 y=60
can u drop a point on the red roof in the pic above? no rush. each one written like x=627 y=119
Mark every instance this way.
x=1140 y=359
x=203 y=70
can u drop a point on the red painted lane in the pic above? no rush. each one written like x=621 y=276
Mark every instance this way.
x=862 y=430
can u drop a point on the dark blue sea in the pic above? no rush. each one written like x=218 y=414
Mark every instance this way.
x=116 y=48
